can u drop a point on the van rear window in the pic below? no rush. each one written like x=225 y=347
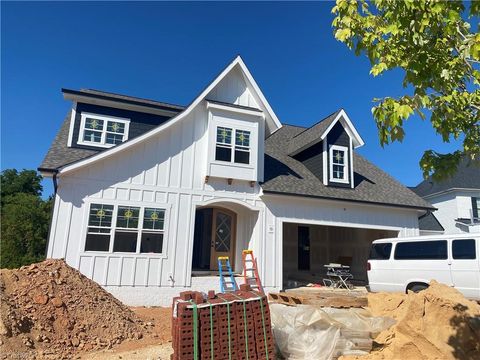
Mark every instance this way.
x=380 y=251
x=421 y=250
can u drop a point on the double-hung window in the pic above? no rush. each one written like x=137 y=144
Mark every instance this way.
x=99 y=227
x=101 y=130
x=338 y=156
x=126 y=232
x=127 y=229
x=237 y=151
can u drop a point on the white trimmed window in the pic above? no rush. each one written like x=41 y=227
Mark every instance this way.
x=226 y=149
x=338 y=156
x=136 y=229
x=102 y=130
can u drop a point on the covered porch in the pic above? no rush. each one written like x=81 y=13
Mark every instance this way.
x=223 y=228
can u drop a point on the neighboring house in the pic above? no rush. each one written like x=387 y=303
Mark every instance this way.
x=456 y=198
x=149 y=194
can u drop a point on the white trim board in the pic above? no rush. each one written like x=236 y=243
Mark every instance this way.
x=346 y=163
x=124 y=146
x=104 y=130
x=73 y=115
x=349 y=128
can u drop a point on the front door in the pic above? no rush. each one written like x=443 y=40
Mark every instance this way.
x=223 y=237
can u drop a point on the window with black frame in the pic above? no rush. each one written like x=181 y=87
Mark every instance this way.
x=152 y=232
x=99 y=227
x=135 y=229
x=226 y=149
x=223 y=149
x=242 y=147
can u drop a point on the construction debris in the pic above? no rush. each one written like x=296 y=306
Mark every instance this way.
x=309 y=332
x=233 y=325
x=437 y=323
x=50 y=310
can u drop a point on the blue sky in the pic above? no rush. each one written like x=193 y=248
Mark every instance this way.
x=171 y=51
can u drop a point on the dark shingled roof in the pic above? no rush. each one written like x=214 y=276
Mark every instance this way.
x=429 y=222
x=466 y=177
x=60 y=154
x=285 y=175
x=311 y=134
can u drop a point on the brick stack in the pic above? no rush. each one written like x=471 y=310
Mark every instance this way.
x=250 y=337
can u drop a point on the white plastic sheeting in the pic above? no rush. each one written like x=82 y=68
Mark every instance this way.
x=307 y=332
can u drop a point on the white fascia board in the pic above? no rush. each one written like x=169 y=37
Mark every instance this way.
x=126 y=145
x=349 y=128
x=276 y=122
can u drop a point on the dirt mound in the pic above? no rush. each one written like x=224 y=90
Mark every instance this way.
x=437 y=323
x=50 y=310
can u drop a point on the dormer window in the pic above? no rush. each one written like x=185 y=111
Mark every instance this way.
x=224 y=146
x=338 y=156
x=102 y=131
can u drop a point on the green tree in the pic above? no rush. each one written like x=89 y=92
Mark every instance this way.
x=434 y=44
x=25 y=181
x=25 y=218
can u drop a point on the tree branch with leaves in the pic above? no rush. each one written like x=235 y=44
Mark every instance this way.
x=434 y=44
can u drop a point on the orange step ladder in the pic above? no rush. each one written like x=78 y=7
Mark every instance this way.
x=250 y=271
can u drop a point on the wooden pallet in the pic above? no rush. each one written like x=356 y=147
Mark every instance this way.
x=319 y=298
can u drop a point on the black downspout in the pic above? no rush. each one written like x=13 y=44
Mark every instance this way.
x=55 y=186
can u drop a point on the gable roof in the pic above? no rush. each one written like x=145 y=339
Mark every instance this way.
x=429 y=221
x=320 y=130
x=271 y=120
x=285 y=175
x=467 y=176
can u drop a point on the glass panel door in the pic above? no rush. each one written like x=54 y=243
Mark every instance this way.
x=223 y=237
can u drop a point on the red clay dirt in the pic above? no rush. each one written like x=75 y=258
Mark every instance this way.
x=51 y=311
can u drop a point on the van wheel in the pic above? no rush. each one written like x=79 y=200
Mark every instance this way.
x=417 y=287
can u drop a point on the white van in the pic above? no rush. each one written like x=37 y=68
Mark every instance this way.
x=401 y=264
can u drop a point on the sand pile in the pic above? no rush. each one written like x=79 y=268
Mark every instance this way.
x=50 y=310
x=437 y=323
